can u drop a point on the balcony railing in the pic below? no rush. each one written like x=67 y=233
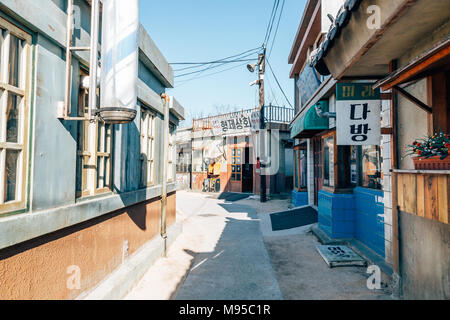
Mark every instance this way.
x=274 y=114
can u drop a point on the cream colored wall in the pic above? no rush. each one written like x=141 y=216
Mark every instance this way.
x=412 y=122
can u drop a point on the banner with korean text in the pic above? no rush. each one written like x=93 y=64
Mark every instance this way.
x=358 y=114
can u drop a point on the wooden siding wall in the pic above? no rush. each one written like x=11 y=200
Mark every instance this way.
x=425 y=195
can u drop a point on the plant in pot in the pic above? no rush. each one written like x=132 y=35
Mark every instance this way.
x=432 y=153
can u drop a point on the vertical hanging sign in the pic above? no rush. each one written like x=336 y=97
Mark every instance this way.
x=358 y=114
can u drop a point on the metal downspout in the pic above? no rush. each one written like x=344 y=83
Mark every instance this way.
x=166 y=100
x=68 y=80
x=93 y=65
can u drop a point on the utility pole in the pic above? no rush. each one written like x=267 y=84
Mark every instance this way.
x=166 y=100
x=262 y=125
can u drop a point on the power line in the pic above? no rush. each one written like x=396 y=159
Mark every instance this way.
x=217 y=64
x=211 y=74
x=216 y=61
x=278 y=25
x=273 y=73
x=273 y=93
x=271 y=20
x=212 y=66
x=212 y=63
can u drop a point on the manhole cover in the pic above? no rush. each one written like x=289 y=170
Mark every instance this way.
x=336 y=256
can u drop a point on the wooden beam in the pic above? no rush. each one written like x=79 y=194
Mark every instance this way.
x=413 y=99
x=386 y=96
x=419 y=66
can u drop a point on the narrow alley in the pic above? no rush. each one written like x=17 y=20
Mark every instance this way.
x=227 y=251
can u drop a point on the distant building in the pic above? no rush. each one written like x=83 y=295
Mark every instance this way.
x=77 y=199
x=222 y=151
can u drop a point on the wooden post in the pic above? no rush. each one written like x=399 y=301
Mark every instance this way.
x=394 y=191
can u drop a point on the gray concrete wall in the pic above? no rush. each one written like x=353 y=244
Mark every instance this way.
x=425 y=258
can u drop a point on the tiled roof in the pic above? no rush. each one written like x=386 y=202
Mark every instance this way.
x=334 y=32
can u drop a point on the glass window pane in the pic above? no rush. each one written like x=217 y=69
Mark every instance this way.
x=107 y=172
x=328 y=179
x=14 y=60
x=238 y=177
x=371 y=167
x=12 y=157
x=2 y=38
x=108 y=138
x=99 y=137
x=150 y=125
x=303 y=169
x=100 y=173
x=296 y=169
x=12 y=116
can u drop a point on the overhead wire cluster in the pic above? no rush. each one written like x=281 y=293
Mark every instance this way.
x=200 y=69
x=275 y=16
x=189 y=71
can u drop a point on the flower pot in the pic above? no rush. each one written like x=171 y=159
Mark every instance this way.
x=432 y=163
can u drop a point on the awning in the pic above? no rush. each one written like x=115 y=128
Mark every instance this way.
x=434 y=60
x=310 y=123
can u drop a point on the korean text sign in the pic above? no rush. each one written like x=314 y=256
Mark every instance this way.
x=358 y=114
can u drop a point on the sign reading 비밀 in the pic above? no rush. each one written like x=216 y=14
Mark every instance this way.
x=358 y=114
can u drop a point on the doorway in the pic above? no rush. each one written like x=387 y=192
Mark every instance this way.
x=247 y=172
x=318 y=180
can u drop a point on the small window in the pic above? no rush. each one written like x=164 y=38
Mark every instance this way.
x=328 y=164
x=366 y=167
x=236 y=164
x=148 y=130
x=14 y=109
x=171 y=155
x=300 y=168
x=94 y=151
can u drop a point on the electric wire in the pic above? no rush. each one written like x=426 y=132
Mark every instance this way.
x=271 y=21
x=183 y=82
x=276 y=31
x=278 y=83
x=216 y=65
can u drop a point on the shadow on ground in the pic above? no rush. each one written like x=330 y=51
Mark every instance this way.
x=302 y=274
x=239 y=267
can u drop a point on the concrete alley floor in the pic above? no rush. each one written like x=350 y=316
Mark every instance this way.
x=227 y=251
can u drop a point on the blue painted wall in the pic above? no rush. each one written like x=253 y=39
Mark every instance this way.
x=370 y=218
x=359 y=215
x=300 y=199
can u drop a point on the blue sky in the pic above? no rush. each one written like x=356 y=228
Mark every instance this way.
x=206 y=30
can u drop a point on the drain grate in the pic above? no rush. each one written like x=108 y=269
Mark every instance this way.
x=336 y=256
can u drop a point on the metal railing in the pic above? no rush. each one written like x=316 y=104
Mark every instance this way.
x=274 y=114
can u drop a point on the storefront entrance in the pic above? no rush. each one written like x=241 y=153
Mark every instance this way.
x=247 y=172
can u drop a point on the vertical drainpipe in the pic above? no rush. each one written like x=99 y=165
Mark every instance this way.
x=166 y=100
x=396 y=263
x=69 y=35
x=95 y=22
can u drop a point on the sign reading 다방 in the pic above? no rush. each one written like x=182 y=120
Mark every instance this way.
x=358 y=114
